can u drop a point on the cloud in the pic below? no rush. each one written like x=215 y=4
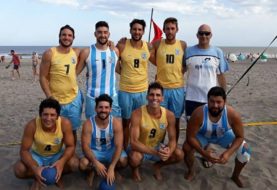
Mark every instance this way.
x=218 y=8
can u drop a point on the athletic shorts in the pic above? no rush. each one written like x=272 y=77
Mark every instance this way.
x=190 y=106
x=174 y=100
x=224 y=141
x=90 y=107
x=150 y=157
x=73 y=111
x=15 y=67
x=46 y=160
x=106 y=156
x=128 y=102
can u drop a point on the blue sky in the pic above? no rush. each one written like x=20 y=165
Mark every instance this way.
x=233 y=22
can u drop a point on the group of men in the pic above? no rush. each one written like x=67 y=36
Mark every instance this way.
x=133 y=121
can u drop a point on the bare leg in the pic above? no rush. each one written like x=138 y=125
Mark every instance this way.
x=177 y=128
x=60 y=184
x=237 y=170
x=35 y=185
x=90 y=177
x=189 y=160
x=126 y=124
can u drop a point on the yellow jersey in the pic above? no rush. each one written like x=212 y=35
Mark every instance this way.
x=134 y=68
x=169 y=60
x=152 y=130
x=62 y=76
x=46 y=143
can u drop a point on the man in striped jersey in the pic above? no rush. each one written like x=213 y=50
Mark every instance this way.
x=220 y=124
x=100 y=60
x=102 y=142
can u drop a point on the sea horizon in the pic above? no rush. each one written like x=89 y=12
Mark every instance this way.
x=28 y=50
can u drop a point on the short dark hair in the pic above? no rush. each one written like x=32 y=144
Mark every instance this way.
x=170 y=20
x=217 y=91
x=103 y=97
x=50 y=103
x=67 y=27
x=138 y=21
x=101 y=24
x=12 y=51
x=155 y=85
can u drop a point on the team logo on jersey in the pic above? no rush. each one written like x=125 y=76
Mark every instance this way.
x=73 y=60
x=177 y=51
x=57 y=140
x=162 y=126
x=143 y=55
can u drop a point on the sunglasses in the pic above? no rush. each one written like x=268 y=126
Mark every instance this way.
x=202 y=33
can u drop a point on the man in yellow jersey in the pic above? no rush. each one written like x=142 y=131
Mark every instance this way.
x=58 y=77
x=149 y=125
x=168 y=57
x=42 y=145
x=133 y=69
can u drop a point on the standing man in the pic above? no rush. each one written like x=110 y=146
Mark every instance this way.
x=133 y=70
x=102 y=142
x=168 y=57
x=42 y=145
x=220 y=124
x=100 y=61
x=149 y=125
x=205 y=66
x=58 y=77
x=16 y=64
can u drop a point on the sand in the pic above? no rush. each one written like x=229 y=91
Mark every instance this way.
x=256 y=102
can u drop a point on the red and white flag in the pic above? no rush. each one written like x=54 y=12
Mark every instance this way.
x=157 y=31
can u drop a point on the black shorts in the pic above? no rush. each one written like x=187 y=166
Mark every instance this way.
x=15 y=67
x=191 y=106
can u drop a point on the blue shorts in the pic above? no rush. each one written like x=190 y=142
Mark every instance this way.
x=106 y=156
x=90 y=107
x=73 y=111
x=46 y=160
x=150 y=157
x=130 y=101
x=224 y=141
x=174 y=100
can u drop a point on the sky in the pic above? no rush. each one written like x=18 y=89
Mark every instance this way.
x=233 y=22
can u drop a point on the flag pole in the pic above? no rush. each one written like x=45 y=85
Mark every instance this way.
x=150 y=25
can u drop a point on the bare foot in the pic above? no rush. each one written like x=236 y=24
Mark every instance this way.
x=237 y=181
x=35 y=186
x=118 y=177
x=136 y=175
x=189 y=176
x=60 y=184
x=90 y=178
x=157 y=172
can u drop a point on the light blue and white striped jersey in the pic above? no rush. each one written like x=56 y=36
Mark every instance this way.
x=102 y=139
x=101 y=72
x=214 y=130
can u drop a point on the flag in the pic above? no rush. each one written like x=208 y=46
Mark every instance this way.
x=157 y=31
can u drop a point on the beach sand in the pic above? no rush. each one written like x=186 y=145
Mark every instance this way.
x=255 y=97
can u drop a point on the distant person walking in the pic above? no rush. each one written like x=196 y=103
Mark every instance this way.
x=35 y=64
x=16 y=63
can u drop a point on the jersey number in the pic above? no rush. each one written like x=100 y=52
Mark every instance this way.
x=152 y=133
x=169 y=58
x=47 y=148
x=67 y=68
x=103 y=141
x=136 y=63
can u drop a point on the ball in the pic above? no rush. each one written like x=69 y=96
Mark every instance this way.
x=105 y=186
x=49 y=174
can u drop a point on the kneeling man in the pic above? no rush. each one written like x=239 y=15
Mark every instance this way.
x=216 y=123
x=149 y=125
x=42 y=145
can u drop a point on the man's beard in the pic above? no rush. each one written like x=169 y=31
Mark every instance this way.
x=215 y=113
x=102 y=43
x=64 y=45
x=133 y=38
x=102 y=118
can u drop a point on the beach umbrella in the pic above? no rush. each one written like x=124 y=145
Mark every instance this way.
x=232 y=57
